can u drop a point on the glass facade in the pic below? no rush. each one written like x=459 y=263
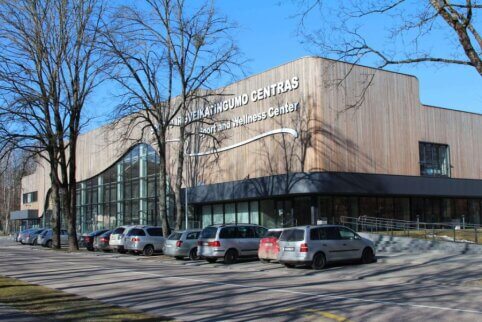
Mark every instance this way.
x=125 y=193
x=313 y=209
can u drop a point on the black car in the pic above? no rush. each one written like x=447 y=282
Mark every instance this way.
x=101 y=242
x=88 y=240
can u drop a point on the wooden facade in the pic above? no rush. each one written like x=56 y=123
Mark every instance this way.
x=348 y=119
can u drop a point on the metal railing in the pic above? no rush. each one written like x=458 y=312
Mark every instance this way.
x=456 y=232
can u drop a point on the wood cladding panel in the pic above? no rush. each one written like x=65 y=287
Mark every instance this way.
x=350 y=119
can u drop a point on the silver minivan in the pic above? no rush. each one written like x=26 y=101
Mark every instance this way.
x=229 y=242
x=144 y=239
x=116 y=241
x=318 y=245
x=182 y=244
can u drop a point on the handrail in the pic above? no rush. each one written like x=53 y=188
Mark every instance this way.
x=429 y=230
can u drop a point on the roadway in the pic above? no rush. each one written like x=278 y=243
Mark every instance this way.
x=400 y=287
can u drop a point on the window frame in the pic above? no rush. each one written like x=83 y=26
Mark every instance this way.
x=434 y=161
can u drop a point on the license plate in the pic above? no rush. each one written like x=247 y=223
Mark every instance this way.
x=205 y=243
x=289 y=249
x=168 y=245
x=268 y=244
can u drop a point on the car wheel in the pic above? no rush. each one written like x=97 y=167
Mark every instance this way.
x=319 y=261
x=289 y=265
x=148 y=250
x=230 y=257
x=121 y=251
x=211 y=260
x=264 y=261
x=179 y=258
x=193 y=254
x=367 y=256
x=49 y=244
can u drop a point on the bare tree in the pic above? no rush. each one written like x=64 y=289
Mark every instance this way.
x=48 y=68
x=413 y=28
x=170 y=54
x=200 y=49
x=12 y=169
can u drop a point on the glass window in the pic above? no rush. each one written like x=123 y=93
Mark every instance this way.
x=268 y=216
x=218 y=214
x=206 y=216
x=331 y=233
x=346 y=233
x=292 y=235
x=154 y=231
x=260 y=231
x=136 y=232
x=254 y=212
x=209 y=232
x=243 y=213
x=174 y=236
x=193 y=235
x=228 y=232
x=230 y=213
x=434 y=159
x=318 y=234
x=273 y=233
x=246 y=232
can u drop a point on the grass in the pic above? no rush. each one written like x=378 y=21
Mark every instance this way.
x=438 y=234
x=53 y=305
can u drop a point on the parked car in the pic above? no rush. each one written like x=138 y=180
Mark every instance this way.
x=182 y=244
x=318 y=245
x=101 y=242
x=22 y=234
x=229 y=242
x=268 y=245
x=31 y=236
x=45 y=239
x=144 y=239
x=88 y=239
x=116 y=240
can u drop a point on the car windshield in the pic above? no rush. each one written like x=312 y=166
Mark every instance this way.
x=273 y=233
x=209 y=232
x=175 y=236
x=293 y=235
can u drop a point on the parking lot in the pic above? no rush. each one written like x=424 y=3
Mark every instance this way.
x=432 y=286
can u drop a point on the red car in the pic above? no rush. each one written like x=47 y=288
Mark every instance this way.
x=268 y=245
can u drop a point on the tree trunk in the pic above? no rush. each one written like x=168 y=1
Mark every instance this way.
x=179 y=173
x=162 y=189
x=72 y=193
x=55 y=194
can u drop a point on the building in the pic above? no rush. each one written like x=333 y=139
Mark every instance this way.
x=313 y=139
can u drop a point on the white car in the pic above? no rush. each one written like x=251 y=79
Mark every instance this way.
x=318 y=245
x=116 y=241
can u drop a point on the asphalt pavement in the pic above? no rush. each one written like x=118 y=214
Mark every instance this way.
x=399 y=287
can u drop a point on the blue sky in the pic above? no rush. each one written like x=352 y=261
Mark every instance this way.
x=267 y=37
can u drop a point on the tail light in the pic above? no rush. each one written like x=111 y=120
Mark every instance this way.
x=276 y=246
x=179 y=243
x=135 y=239
x=104 y=240
x=304 y=248
x=214 y=244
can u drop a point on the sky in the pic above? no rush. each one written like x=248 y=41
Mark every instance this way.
x=267 y=36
